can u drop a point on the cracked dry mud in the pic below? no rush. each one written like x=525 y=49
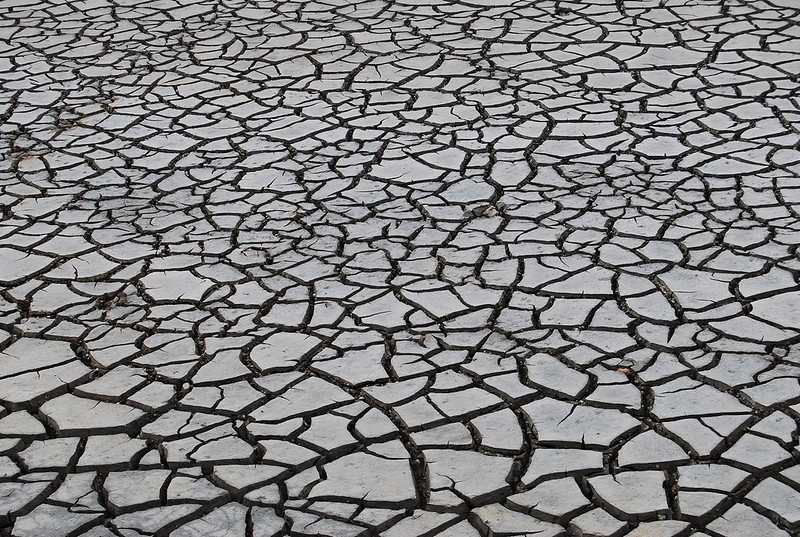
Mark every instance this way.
x=399 y=268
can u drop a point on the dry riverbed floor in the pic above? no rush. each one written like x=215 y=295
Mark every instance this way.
x=399 y=268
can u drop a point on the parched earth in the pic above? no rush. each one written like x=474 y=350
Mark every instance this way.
x=399 y=268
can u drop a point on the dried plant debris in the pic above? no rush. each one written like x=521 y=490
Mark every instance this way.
x=399 y=268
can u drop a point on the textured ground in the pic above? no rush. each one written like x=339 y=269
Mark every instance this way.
x=399 y=268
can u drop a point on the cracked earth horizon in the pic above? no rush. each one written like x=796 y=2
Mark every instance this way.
x=399 y=268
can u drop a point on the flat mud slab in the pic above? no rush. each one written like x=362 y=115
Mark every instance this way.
x=409 y=268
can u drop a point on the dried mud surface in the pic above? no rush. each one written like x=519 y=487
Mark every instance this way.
x=399 y=268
